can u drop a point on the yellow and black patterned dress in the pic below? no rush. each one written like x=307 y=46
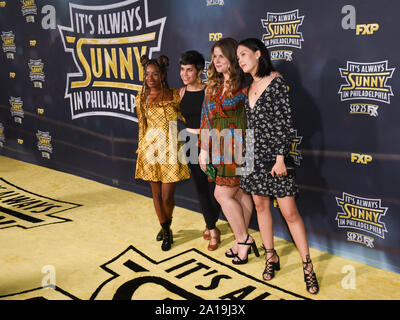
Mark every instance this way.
x=158 y=156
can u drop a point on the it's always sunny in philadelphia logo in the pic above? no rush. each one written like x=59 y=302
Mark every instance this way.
x=362 y=214
x=282 y=31
x=106 y=43
x=29 y=10
x=366 y=81
x=9 y=44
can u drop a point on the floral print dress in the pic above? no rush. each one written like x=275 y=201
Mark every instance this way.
x=272 y=132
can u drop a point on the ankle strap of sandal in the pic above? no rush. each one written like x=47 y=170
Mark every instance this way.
x=307 y=262
x=246 y=243
x=270 y=251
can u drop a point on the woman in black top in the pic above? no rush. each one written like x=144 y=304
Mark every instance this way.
x=269 y=116
x=192 y=96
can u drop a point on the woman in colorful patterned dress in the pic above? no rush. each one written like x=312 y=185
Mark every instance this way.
x=223 y=124
x=157 y=108
x=269 y=116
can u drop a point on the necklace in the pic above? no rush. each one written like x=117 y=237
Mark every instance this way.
x=155 y=98
x=256 y=85
x=194 y=88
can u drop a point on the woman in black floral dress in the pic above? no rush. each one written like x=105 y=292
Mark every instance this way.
x=267 y=174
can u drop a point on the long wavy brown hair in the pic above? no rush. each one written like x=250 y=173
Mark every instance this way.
x=215 y=79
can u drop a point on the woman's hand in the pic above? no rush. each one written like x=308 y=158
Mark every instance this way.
x=203 y=159
x=279 y=168
x=276 y=74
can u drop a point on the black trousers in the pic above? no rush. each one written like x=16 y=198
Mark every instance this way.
x=209 y=206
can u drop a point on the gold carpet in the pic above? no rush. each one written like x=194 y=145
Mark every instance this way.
x=64 y=237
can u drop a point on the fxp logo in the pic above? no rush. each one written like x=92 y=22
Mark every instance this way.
x=349 y=22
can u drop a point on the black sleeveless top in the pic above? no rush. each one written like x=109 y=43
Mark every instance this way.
x=191 y=104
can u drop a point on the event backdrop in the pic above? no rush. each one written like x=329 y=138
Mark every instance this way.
x=69 y=74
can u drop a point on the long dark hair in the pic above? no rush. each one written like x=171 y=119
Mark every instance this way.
x=265 y=66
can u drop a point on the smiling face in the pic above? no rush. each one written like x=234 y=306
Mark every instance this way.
x=153 y=76
x=248 y=59
x=220 y=62
x=189 y=74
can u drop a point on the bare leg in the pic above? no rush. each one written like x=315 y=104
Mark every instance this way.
x=265 y=224
x=234 y=213
x=247 y=208
x=295 y=223
x=246 y=204
x=297 y=230
x=265 y=221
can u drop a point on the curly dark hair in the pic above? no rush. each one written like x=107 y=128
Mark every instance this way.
x=161 y=63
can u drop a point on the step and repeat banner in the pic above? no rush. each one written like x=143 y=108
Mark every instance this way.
x=70 y=71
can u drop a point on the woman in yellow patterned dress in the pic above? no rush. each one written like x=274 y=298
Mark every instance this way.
x=158 y=160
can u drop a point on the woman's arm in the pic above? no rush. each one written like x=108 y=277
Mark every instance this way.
x=204 y=136
x=140 y=119
x=284 y=130
x=205 y=124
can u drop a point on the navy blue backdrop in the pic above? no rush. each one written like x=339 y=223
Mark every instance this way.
x=60 y=109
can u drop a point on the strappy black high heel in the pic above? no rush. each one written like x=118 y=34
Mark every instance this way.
x=231 y=254
x=271 y=266
x=252 y=245
x=310 y=278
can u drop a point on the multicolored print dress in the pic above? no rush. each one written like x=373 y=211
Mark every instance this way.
x=226 y=113
x=158 y=148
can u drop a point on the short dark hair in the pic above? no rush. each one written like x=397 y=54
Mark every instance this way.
x=264 y=62
x=192 y=57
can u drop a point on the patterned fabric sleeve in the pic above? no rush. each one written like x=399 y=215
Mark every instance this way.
x=177 y=97
x=139 y=118
x=180 y=115
x=284 y=124
x=205 y=124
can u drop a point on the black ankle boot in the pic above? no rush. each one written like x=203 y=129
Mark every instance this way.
x=168 y=239
x=160 y=234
